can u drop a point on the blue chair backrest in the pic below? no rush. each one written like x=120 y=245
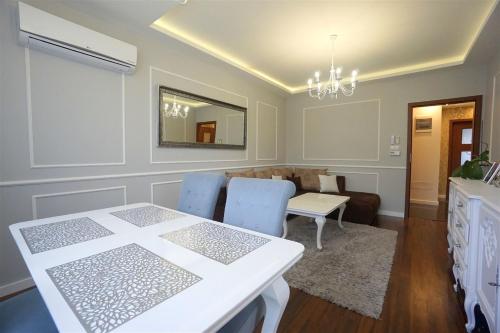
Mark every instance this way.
x=26 y=312
x=199 y=193
x=258 y=204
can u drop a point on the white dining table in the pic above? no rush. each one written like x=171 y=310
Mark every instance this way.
x=146 y=268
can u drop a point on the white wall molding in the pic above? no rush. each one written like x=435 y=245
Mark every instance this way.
x=151 y=115
x=389 y=167
x=391 y=213
x=376 y=174
x=35 y=197
x=275 y=108
x=29 y=109
x=16 y=286
x=340 y=159
x=125 y=175
x=152 y=185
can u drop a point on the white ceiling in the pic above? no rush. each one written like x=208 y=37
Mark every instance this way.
x=284 y=41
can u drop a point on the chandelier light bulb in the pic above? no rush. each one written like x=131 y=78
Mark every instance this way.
x=335 y=82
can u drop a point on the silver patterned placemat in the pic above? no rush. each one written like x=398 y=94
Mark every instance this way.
x=216 y=242
x=50 y=236
x=145 y=216
x=108 y=289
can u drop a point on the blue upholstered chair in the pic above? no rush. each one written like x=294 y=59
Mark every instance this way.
x=26 y=313
x=199 y=193
x=259 y=205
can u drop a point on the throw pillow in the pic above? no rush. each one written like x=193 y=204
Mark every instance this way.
x=277 y=177
x=264 y=173
x=328 y=184
x=300 y=172
x=310 y=182
x=285 y=172
x=244 y=173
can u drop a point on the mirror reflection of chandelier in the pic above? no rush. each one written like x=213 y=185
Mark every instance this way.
x=334 y=84
x=175 y=110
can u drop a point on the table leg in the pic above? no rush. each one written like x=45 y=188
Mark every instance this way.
x=276 y=297
x=341 y=212
x=320 y=221
x=285 y=227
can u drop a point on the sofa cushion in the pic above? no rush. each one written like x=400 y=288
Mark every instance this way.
x=285 y=172
x=310 y=182
x=309 y=178
x=303 y=171
x=250 y=173
x=264 y=173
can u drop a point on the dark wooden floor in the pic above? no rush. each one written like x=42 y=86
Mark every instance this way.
x=420 y=297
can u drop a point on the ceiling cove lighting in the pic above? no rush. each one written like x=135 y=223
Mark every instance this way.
x=334 y=84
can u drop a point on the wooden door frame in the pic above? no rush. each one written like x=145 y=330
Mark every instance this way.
x=450 y=152
x=201 y=123
x=476 y=135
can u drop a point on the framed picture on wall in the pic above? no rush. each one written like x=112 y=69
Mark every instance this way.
x=423 y=124
x=492 y=173
x=491 y=170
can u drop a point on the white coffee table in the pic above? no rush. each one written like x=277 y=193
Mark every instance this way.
x=316 y=206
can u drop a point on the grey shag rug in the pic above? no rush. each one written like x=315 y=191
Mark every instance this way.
x=352 y=270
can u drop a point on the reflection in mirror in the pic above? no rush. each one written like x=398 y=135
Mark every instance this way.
x=189 y=120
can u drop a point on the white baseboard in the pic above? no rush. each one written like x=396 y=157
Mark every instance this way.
x=391 y=213
x=16 y=286
x=425 y=202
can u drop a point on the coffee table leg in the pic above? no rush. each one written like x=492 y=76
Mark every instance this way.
x=285 y=227
x=341 y=212
x=275 y=297
x=320 y=221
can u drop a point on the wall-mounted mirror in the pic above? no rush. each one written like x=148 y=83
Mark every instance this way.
x=189 y=120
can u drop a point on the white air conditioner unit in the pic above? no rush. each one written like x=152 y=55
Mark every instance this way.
x=41 y=30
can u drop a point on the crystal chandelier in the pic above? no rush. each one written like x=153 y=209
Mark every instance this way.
x=334 y=84
x=175 y=110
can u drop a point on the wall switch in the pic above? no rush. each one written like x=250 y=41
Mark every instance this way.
x=395 y=153
x=395 y=147
x=393 y=140
x=397 y=140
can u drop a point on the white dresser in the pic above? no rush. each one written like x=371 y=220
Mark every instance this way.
x=473 y=239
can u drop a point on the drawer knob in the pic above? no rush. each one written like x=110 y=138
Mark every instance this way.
x=460 y=204
x=494 y=284
x=457 y=245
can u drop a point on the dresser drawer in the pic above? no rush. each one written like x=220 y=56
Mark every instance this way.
x=460 y=247
x=461 y=228
x=461 y=205
x=459 y=269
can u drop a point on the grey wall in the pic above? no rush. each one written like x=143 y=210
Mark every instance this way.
x=94 y=133
x=493 y=107
x=351 y=136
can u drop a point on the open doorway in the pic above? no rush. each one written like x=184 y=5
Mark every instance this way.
x=442 y=135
